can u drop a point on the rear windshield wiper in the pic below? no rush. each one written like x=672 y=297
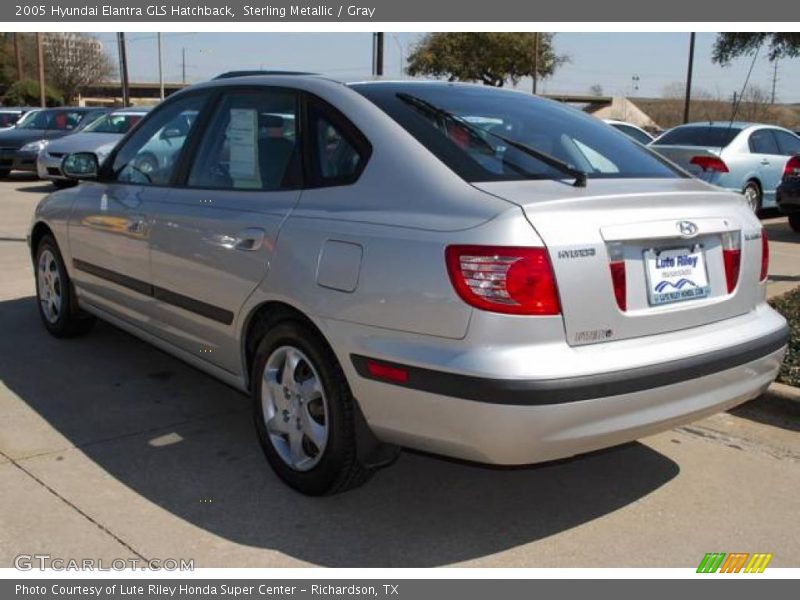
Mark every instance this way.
x=551 y=161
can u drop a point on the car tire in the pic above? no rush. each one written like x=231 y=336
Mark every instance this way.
x=794 y=222
x=54 y=293
x=753 y=195
x=306 y=424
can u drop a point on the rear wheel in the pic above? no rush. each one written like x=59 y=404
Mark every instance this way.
x=56 y=301
x=753 y=196
x=304 y=412
x=794 y=222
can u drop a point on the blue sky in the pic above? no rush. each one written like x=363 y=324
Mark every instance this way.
x=608 y=59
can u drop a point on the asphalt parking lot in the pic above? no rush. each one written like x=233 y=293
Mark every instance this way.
x=111 y=449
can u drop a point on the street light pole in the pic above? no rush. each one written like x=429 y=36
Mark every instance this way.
x=535 y=60
x=689 y=79
x=160 y=68
x=123 y=69
x=40 y=53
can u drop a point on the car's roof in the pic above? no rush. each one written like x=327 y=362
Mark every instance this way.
x=726 y=124
x=131 y=110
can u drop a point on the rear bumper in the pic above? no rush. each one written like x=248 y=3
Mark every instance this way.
x=509 y=421
x=788 y=197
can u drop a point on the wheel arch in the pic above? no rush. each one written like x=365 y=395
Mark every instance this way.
x=39 y=230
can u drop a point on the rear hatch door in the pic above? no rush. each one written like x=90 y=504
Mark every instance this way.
x=663 y=231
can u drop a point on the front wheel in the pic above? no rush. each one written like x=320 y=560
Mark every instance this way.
x=752 y=195
x=794 y=222
x=56 y=302
x=304 y=412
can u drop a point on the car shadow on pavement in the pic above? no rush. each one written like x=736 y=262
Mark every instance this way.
x=185 y=442
x=771 y=410
x=779 y=231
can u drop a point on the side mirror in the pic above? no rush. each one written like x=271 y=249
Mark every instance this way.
x=80 y=165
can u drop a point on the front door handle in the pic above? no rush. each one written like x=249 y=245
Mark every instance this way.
x=250 y=239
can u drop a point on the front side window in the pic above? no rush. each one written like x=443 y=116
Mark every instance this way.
x=763 y=142
x=250 y=144
x=477 y=133
x=150 y=155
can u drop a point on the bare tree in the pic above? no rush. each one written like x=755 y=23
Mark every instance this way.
x=74 y=61
x=596 y=90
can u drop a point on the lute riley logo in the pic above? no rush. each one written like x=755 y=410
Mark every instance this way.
x=736 y=562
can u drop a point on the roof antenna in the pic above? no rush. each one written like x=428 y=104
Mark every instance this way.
x=738 y=101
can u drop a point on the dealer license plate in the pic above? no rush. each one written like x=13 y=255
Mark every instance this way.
x=675 y=275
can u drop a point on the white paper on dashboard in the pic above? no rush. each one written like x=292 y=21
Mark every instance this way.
x=243 y=139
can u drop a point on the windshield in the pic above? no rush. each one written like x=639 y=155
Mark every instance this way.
x=114 y=123
x=63 y=120
x=484 y=142
x=695 y=135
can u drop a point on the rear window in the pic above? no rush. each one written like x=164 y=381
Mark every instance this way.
x=715 y=137
x=466 y=138
x=7 y=119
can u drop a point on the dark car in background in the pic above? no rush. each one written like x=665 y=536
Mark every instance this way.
x=20 y=145
x=10 y=115
x=788 y=193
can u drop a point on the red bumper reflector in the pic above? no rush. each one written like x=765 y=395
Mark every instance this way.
x=388 y=372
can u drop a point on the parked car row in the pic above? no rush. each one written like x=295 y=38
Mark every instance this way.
x=36 y=140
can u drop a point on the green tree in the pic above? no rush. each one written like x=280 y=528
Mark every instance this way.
x=26 y=93
x=733 y=45
x=491 y=58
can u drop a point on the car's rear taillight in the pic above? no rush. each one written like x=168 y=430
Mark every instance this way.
x=732 y=257
x=710 y=163
x=512 y=280
x=617 y=266
x=764 y=255
x=792 y=168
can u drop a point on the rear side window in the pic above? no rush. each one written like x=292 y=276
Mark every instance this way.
x=149 y=156
x=694 y=135
x=632 y=132
x=763 y=142
x=250 y=144
x=788 y=144
x=337 y=151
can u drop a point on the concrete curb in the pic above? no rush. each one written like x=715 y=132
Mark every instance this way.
x=784 y=392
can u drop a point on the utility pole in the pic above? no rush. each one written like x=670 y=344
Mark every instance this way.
x=689 y=79
x=377 y=54
x=535 y=60
x=183 y=65
x=18 y=56
x=774 y=81
x=123 y=69
x=40 y=53
x=160 y=69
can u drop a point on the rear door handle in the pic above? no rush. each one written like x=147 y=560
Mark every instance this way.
x=764 y=161
x=250 y=239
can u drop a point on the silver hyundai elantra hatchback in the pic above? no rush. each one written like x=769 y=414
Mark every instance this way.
x=468 y=271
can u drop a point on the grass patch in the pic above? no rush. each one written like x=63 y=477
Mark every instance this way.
x=789 y=306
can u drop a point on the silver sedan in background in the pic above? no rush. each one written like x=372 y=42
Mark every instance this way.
x=100 y=138
x=749 y=158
